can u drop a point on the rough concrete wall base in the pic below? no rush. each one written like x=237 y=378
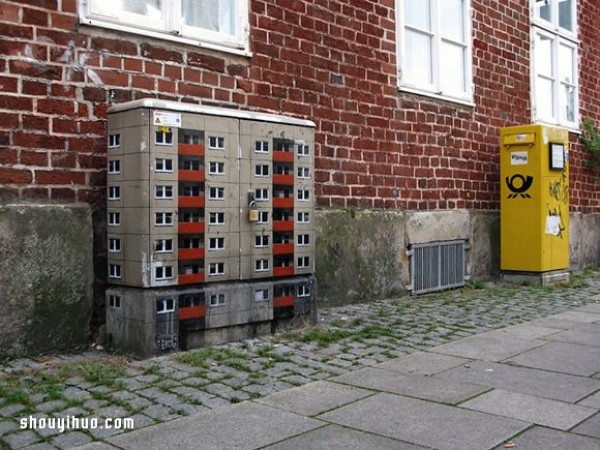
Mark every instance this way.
x=46 y=276
x=584 y=232
x=361 y=255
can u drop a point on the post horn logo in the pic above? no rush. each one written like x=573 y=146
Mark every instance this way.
x=519 y=185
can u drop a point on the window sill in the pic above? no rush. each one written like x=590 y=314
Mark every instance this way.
x=460 y=101
x=235 y=50
x=570 y=128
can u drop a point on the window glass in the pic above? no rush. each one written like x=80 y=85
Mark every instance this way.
x=565 y=15
x=417 y=13
x=453 y=56
x=452 y=20
x=214 y=15
x=418 y=58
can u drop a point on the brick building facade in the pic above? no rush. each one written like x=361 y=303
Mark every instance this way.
x=380 y=144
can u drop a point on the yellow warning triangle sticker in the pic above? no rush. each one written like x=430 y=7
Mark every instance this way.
x=157 y=120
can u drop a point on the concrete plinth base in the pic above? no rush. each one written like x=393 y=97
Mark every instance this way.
x=537 y=278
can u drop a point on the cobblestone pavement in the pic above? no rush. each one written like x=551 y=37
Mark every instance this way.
x=100 y=385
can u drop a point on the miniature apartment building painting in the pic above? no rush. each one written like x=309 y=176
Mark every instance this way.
x=210 y=224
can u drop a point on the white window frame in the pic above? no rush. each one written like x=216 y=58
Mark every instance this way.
x=114 y=271
x=164 y=137
x=114 y=219
x=216 y=142
x=303 y=239
x=163 y=192
x=171 y=26
x=216 y=300
x=114 y=166
x=303 y=291
x=558 y=36
x=303 y=262
x=163 y=165
x=216 y=218
x=114 y=301
x=261 y=240
x=216 y=193
x=303 y=173
x=302 y=149
x=114 y=193
x=216 y=243
x=261 y=170
x=435 y=88
x=261 y=295
x=162 y=273
x=161 y=246
x=163 y=219
x=165 y=305
x=262 y=194
x=216 y=269
x=261 y=265
x=263 y=217
x=216 y=168
x=303 y=217
x=303 y=195
x=114 y=245
x=261 y=147
x=114 y=140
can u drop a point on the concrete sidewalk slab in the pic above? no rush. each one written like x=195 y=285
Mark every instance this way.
x=551 y=385
x=592 y=307
x=425 y=423
x=314 y=398
x=489 y=347
x=585 y=334
x=562 y=357
x=528 y=408
x=411 y=385
x=593 y=401
x=243 y=426
x=423 y=363
x=578 y=316
x=591 y=427
x=539 y=438
x=333 y=437
x=523 y=331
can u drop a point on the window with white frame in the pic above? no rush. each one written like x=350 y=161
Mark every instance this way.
x=554 y=62
x=303 y=217
x=303 y=262
x=215 y=269
x=114 y=219
x=434 y=42
x=114 y=271
x=219 y=24
x=114 y=301
x=165 y=305
x=163 y=273
x=216 y=243
x=263 y=217
x=163 y=245
x=261 y=170
x=114 y=245
x=163 y=192
x=114 y=166
x=216 y=143
x=216 y=300
x=114 y=193
x=261 y=194
x=114 y=140
x=261 y=265
x=163 y=165
x=261 y=240
x=261 y=295
x=216 y=218
x=303 y=239
x=216 y=193
x=261 y=147
x=216 y=168
x=303 y=195
x=163 y=218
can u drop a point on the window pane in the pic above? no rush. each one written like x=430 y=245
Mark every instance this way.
x=153 y=9
x=566 y=98
x=417 y=14
x=452 y=73
x=418 y=58
x=543 y=10
x=543 y=55
x=566 y=64
x=214 y=15
x=565 y=14
x=452 y=19
x=543 y=98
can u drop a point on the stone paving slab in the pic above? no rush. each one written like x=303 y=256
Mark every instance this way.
x=539 y=438
x=333 y=437
x=243 y=426
x=585 y=334
x=591 y=427
x=425 y=423
x=551 y=385
x=562 y=357
x=489 y=347
x=592 y=307
x=578 y=316
x=411 y=385
x=96 y=446
x=593 y=401
x=423 y=363
x=314 y=398
x=523 y=331
x=541 y=411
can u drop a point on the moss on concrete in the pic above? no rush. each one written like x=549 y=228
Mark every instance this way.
x=46 y=275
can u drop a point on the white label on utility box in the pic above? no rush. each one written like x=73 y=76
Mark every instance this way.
x=519 y=158
x=167 y=119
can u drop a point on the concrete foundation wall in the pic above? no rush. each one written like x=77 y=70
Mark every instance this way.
x=361 y=255
x=46 y=277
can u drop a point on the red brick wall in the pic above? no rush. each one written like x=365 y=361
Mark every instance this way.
x=331 y=61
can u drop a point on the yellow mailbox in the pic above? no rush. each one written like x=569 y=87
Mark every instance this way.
x=534 y=198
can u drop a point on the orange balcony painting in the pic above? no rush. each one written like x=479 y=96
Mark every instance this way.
x=190 y=228
x=191 y=149
x=282 y=271
x=287 y=180
x=191 y=175
x=283 y=249
x=191 y=278
x=283 y=202
x=282 y=302
x=190 y=253
x=279 y=156
x=192 y=312
x=283 y=225
x=191 y=202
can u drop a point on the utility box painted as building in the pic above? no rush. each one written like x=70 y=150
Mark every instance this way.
x=534 y=199
x=210 y=224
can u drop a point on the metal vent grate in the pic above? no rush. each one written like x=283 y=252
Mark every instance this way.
x=436 y=266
